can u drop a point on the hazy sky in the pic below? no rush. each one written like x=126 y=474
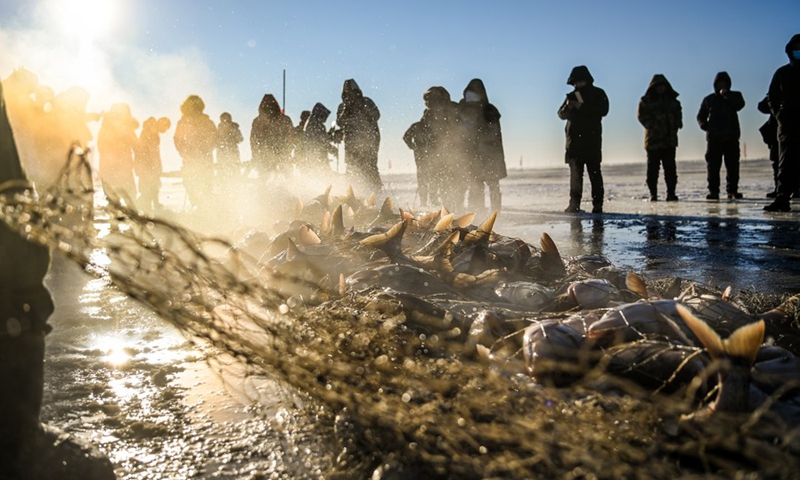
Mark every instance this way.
x=153 y=53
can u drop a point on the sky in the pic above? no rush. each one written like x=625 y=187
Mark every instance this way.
x=154 y=53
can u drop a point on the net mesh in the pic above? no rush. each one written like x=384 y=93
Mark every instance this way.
x=399 y=400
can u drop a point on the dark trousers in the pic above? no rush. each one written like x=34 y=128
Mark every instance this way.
x=576 y=166
x=716 y=151
x=789 y=165
x=657 y=157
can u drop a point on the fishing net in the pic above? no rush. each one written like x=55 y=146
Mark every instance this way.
x=403 y=395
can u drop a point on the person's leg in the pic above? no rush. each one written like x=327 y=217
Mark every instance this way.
x=653 y=165
x=788 y=169
x=495 y=195
x=598 y=191
x=731 y=155
x=575 y=184
x=713 y=165
x=670 y=173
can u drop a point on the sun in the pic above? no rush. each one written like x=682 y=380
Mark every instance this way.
x=83 y=19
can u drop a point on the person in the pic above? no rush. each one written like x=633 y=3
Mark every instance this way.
x=718 y=117
x=480 y=126
x=272 y=138
x=116 y=141
x=584 y=109
x=228 y=156
x=147 y=161
x=25 y=306
x=769 y=134
x=357 y=127
x=195 y=139
x=299 y=135
x=432 y=141
x=784 y=103
x=661 y=116
x=316 y=140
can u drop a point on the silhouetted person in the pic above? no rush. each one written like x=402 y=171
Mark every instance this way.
x=661 y=115
x=769 y=134
x=719 y=118
x=116 y=141
x=195 y=139
x=299 y=135
x=584 y=109
x=784 y=103
x=357 y=126
x=271 y=138
x=228 y=156
x=432 y=140
x=317 y=142
x=480 y=122
x=147 y=162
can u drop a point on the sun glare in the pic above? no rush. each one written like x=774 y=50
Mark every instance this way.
x=83 y=19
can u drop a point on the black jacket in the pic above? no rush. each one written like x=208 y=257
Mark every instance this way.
x=784 y=95
x=584 y=124
x=718 y=115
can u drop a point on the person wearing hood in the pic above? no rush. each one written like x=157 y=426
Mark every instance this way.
x=784 y=103
x=661 y=116
x=317 y=142
x=147 y=161
x=228 y=156
x=431 y=141
x=769 y=134
x=483 y=142
x=584 y=109
x=195 y=139
x=719 y=118
x=28 y=448
x=116 y=141
x=357 y=126
x=272 y=138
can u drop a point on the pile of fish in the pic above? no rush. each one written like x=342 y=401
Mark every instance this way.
x=524 y=309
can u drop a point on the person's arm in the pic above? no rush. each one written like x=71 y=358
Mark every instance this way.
x=643 y=113
x=565 y=112
x=702 y=114
x=735 y=100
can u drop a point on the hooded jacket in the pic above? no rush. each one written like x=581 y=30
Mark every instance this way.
x=316 y=140
x=660 y=115
x=584 y=129
x=272 y=134
x=718 y=115
x=480 y=125
x=784 y=95
x=357 y=119
x=230 y=136
x=195 y=135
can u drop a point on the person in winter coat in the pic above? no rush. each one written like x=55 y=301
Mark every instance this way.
x=228 y=157
x=584 y=109
x=195 y=139
x=432 y=140
x=719 y=118
x=272 y=138
x=769 y=134
x=357 y=127
x=147 y=161
x=784 y=103
x=317 y=142
x=661 y=116
x=116 y=141
x=480 y=123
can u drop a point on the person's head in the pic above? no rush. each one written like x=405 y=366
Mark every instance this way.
x=436 y=96
x=269 y=106
x=475 y=92
x=163 y=124
x=193 y=105
x=351 y=91
x=793 y=49
x=722 y=82
x=304 y=116
x=579 y=77
x=225 y=117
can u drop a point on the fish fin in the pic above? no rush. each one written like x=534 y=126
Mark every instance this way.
x=783 y=312
x=674 y=288
x=726 y=295
x=444 y=223
x=708 y=337
x=636 y=284
x=337 y=222
x=308 y=236
x=371 y=201
x=551 y=258
x=406 y=215
x=342 y=285
x=387 y=208
x=298 y=208
x=745 y=342
x=349 y=213
x=292 y=252
x=465 y=220
x=689 y=292
x=483 y=232
x=390 y=241
x=483 y=352
x=446 y=247
x=326 y=226
x=351 y=194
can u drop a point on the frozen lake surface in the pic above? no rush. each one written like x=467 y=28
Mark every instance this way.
x=128 y=381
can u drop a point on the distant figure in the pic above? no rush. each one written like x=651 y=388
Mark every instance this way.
x=272 y=138
x=316 y=140
x=116 y=141
x=784 y=103
x=584 y=109
x=357 y=126
x=299 y=135
x=195 y=139
x=147 y=162
x=486 y=164
x=433 y=141
x=661 y=115
x=719 y=118
x=769 y=134
x=228 y=157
